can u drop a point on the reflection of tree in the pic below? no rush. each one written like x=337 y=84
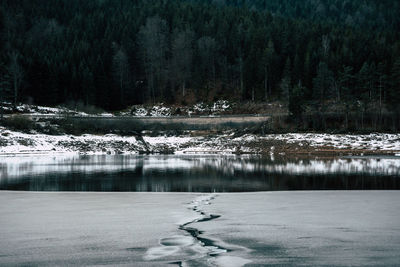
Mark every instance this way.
x=198 y=174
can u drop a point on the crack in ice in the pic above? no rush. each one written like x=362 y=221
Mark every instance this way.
x=206 y=250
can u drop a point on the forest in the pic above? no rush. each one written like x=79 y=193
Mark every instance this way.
x=322 y=56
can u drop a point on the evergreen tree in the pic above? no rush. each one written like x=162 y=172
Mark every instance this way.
x=233 y=48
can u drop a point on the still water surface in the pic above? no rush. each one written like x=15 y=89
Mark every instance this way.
x=196 y=173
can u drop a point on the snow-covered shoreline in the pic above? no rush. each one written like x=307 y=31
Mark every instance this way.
x=234 y=141
x=13 y=142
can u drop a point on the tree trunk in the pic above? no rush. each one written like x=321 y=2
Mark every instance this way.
x=183 y=88
x=241 y=77
x=121 y=88
x=338 y=93
x=1 y=105
x=151 y=87
x=380 y=103
x=266 y=84
x=362 y=119
x=15 y=91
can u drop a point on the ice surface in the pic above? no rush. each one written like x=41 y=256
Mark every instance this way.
x=229 y=261
x=319 y=228
x=87 y=229
x=331 y=228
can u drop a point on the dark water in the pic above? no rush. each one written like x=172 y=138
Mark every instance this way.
x=196 y=173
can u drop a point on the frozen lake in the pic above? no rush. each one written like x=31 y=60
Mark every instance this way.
x=303 y=228
x=315 y=219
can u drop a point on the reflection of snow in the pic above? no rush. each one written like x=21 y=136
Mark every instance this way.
x=378 y=166
x=11 y=167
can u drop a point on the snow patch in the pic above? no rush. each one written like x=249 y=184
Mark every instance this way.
x=229 y=261
x=373 y=141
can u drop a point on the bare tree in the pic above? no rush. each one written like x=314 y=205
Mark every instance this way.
x=121 y=70
x=207 y=48
x=326 y=44
x=240 y=61
x=268 y=61
x=322 y=83
x=285 y=89
x=153 y=44
x=16 y=74
x=4 y=89
x=285 y=84
x=241 y=75
x=182 y=54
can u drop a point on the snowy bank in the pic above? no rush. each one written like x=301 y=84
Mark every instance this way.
x=13 y=142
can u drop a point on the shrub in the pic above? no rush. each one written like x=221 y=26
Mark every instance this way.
x=19 y=123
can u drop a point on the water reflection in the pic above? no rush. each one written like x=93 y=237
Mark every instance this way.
x=195 y=173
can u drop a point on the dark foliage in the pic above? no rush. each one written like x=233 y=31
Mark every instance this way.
x=114 y=53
